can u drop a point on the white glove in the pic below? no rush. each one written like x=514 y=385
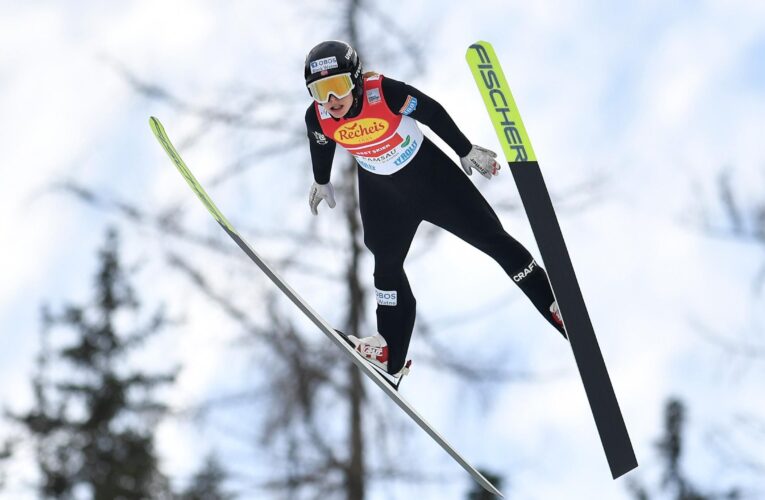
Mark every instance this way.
x=482 y=160
x=321 y=192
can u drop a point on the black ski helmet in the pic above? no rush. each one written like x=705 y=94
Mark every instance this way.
x=319 y=64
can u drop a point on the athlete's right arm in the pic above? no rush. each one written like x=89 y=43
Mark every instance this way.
x=322 y=147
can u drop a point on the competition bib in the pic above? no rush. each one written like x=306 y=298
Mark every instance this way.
x=381 y=141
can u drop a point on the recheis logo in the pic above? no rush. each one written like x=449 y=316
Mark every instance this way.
x=361 y=131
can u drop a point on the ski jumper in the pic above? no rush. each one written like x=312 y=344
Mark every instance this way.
x=405 y=179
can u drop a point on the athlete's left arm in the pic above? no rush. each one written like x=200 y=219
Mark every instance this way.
x=403 y=99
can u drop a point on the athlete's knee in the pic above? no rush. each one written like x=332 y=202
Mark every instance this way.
x=505 y=249
x=388 y=267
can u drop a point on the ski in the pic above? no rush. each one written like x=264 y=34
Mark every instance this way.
x=536 y=201
x=338 y=338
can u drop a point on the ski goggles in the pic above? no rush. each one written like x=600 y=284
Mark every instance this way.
x=338 y=85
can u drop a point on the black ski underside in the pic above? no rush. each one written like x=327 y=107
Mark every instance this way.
x=592 y=368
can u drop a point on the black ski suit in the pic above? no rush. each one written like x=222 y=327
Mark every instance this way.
x=430 y=188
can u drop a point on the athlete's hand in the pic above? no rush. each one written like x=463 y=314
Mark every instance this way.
x=482 y=160
x=321 y=192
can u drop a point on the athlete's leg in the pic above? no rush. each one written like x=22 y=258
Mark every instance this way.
x=389 y=227
x=455 y=204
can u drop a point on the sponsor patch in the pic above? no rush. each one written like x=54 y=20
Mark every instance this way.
x=321 y=139
x=373 y=96
x=408 y=152
x=323 y=64
x=323 y=113
x=382 y=148
x=409 y=105
x=366 y=165
x=361 y=131
x=348 y=54
x=371 y=350
x=386 y=298
x=525 y=272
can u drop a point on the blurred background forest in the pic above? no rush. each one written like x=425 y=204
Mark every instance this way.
x=145 y=357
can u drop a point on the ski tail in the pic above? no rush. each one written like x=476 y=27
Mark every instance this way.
x=528 y=178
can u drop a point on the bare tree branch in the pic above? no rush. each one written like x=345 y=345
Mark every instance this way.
x=238 y=118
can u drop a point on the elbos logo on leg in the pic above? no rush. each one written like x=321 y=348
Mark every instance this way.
x=386 y=298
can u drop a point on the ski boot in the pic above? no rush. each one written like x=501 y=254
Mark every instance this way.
x=557 y=318
x=375 y=350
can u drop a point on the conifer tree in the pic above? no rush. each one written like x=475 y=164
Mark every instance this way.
x=207 y=483
x=94 y=413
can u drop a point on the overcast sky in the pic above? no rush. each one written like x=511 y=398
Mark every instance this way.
x=654 y=99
